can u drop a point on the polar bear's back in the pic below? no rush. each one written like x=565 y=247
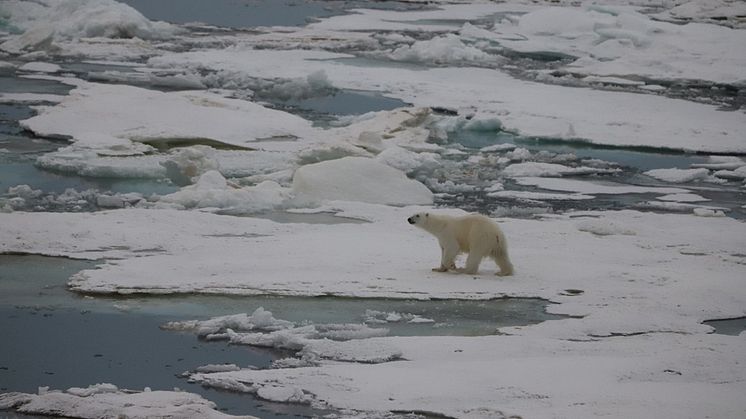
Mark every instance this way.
x=471 y=229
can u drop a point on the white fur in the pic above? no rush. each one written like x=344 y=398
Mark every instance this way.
x=474 y=234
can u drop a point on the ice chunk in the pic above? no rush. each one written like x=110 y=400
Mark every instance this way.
x=498 y=148
x=106 y=400
x=446 y=49
x=683 y=197
x=722 y=163
x=586 y=187
x=260 y=319
x=282 y=394
x=368 y=351
x=110 y=117
x=218 y=368
x=533 y=169
x=679 y=175
x=707 y=212
x=538 y=196
x=187 y=164
x=358 y=179
x=40 y=67
x=408 y=161
x=93 y=389
x=79 y=19
x=24 y=191
x=212 y=190
x=737 y=174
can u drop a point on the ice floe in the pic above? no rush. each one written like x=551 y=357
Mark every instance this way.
x=106 y=113
x=618 y=41
x=534 y=169
x=45 y=23
x=528 y=108
x=221 y=254
x=106 y=400
x=679 y=175
x=312 y=342
x=642 y=283
x=594 y=187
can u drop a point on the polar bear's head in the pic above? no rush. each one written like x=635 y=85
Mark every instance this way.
x=419 y=219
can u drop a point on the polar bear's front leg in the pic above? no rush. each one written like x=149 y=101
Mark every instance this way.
x=449 y=251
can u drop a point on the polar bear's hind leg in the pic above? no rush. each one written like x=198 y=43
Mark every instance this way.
x=500 y=255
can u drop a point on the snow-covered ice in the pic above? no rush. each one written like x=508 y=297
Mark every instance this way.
x=636 y=285
x=349 y=179
x=106 y=400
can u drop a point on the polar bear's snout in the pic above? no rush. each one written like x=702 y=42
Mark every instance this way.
x=413 y=219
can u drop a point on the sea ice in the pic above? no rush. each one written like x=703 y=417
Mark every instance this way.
x=111 y=113
x=212 y=190
x=683 y=197
x=358 y=179
x=618 y=41
x=594 y=188
x=40 y=67
x=106 y=400
x=78 y=19
x=679 y=175
x=539 y=169
x=446 y=49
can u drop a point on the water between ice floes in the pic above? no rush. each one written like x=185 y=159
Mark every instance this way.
x=55 y=338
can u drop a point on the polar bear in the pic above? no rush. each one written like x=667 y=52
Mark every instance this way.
x=474 y=234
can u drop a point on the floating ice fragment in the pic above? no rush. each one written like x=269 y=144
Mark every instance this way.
x=212 y=190
x=737 y=174
x=106 y=400
x=497 y=148
x=446 y=49
x=260 y=319
x=218 y=368
x=283 y=394
x=184 y=165
x=358 y=179
x=679 y=175
x=40 y=67
x=706 y=212
x=683 y=197
x=534 y=169
x=93 y=389
x=408 y=161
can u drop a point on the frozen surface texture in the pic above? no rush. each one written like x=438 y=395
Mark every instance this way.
x=636 y=286
x=106 y=400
